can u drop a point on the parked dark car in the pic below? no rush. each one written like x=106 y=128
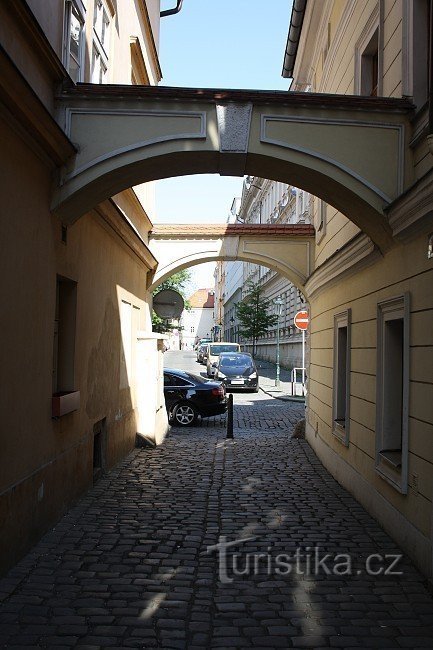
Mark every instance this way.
x=201 y=353
x=187 y=396
x=238 y=370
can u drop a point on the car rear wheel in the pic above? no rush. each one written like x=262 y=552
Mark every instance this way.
x=184 y=415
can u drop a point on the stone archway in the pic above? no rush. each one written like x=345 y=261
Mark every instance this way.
x=287 y=249
x=349 y=151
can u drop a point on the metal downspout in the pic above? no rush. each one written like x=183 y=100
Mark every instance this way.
x=172 y=12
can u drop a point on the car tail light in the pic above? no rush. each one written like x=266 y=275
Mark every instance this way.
x=218 y=392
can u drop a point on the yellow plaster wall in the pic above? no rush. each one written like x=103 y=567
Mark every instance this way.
x=46 y=464
x=403 y=269
x=337 y=75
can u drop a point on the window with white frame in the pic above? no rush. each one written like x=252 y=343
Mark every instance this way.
x=392 y=398
x=321 y=220
x=341 y=383
x=368 y=60
x=370 y=66
x=74 y=39
x=101 y=42
x=327 y=43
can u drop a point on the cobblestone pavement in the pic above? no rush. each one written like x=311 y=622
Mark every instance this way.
x=128 y=567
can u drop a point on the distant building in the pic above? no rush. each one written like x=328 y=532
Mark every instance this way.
x=218 y=317
x=197 y=322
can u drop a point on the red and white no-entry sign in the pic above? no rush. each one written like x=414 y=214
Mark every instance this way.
x=302 y=320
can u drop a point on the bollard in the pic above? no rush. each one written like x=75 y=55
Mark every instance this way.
x=229 y=417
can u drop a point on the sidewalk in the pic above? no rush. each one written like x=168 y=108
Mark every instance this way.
x=267 y=374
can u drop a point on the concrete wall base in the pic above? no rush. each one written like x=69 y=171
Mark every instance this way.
x=416 y=545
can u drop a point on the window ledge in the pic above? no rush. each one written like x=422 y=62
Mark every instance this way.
x=392 y=457
x=65 y=402
x=389 y=472
x=339 y=431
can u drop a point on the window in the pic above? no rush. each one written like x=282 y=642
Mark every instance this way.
x=101 y=42
x=370 y=67
x=321 y=220
x=64 y=336
x=327 y=44
x=341 y=383
x=139 y=75
x=73 y=39
x=368 y=59
x=393 y=391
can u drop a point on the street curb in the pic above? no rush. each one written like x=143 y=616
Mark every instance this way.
x=287 y=398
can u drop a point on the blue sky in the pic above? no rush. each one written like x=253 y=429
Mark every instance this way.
x=218 y=44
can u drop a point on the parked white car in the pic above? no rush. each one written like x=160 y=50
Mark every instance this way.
x=213 y=352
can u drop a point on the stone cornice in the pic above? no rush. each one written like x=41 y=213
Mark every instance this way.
x=409 y=212
x=115 y=219
x=27 y=111
x=211 y=231
x=133 y=200
x=357 y=254
x=215 y=95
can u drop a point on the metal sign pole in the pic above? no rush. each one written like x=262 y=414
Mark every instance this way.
x=303 y=357
x=277 y=379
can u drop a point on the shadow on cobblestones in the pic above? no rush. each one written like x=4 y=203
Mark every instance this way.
x=128 y=567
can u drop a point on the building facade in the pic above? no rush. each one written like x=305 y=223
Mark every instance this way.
x=369 y=415
x=233 y=295
x=198 y=320
x=218 y=312
x=77 y=338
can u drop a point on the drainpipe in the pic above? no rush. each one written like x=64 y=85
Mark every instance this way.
x=172 y=12
x=430 y=92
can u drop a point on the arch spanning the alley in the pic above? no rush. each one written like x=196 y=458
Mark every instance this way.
x=286 y=249
x=349 y=151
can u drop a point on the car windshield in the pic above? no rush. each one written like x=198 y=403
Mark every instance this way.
x=215 y=350
x=235 y=361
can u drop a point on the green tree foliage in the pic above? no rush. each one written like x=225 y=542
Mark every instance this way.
x=177 y=282
x=253 y=314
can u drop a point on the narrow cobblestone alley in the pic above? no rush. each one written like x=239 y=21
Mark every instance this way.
x=128 y=567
